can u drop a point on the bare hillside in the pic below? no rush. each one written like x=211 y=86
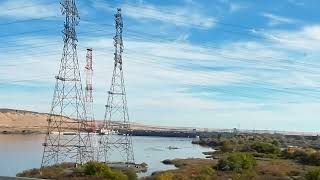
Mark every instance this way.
x=20 y=121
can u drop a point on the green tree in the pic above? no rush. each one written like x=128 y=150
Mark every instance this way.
x=93 y=168
x=268 y=148
x=236 y=162
x=228 y=146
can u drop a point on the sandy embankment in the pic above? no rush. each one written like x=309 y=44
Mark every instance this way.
x=25 y=122
x=15 y=121
x=19 y=121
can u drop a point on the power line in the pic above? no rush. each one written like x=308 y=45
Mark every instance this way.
x=284 y=65
x=153 y=64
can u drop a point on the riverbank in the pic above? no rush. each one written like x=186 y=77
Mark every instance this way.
x=89 y=170
x=249 y=157
x=265 y=169
x=187 y=169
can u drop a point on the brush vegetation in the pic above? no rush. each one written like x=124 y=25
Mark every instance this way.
x=248 y=157
x=91 y=170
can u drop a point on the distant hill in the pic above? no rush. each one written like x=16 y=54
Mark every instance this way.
x=6 y=110
x=25 y=122
x=21 y=121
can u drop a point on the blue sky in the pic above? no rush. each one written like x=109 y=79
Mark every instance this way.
x=215 y=64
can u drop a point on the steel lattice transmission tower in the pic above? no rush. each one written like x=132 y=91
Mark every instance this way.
x=116 y=115
x=68 y=138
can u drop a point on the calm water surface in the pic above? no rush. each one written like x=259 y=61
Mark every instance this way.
x=20 y=152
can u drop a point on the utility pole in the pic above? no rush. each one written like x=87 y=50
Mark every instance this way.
x=68 y=136
x=116 y=116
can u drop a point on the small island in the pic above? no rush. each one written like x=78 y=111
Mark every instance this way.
x=90 y=170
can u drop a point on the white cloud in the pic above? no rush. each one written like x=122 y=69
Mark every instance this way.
x=306 y=39
x=188 y=16
x=236 y=7
x=277 y=20
x=157 y=66
x=31 y=9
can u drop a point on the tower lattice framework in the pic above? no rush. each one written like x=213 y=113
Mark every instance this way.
x=116 y=115
x=68 y=138
x=89 y=86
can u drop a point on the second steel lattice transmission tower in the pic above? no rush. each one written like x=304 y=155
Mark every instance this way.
x=116 y=115
x=68 y=137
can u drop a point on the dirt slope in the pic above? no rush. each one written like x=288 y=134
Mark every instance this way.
x=20 y=121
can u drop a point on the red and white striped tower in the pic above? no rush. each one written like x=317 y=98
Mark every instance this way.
x=89 y=87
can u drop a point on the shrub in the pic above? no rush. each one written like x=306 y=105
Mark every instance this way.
x=263 y=155
x=304 y=156
x=276 y=143
x=131 y=174
x=29 y=173
x=116 y=175
x=206 y=173
x=51 y=172
x=228 y=146
x=48 y=172
x=313 y=175
x=236 y=162
x=165 y=176
x=208 y=142
x=244 y=175
x=268 y=148
x=97 y=169
x=311 y=159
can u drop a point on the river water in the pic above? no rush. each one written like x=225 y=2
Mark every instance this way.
x=21 y=152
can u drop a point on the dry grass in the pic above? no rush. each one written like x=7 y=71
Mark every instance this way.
x=195 y=169
x=189 y=169
x=49 y=172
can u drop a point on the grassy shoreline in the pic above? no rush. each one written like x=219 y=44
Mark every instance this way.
x=90 y=170
x=248 y=157
x=206 y=169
